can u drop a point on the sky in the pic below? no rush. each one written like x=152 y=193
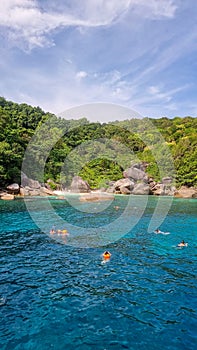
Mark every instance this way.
x=138 y=54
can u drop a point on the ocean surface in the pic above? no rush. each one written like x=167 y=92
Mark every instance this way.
x=57 y=293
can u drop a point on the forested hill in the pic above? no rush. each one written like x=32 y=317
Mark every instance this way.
x=19 y=121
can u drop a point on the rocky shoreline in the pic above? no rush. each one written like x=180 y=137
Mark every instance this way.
x=135 y=181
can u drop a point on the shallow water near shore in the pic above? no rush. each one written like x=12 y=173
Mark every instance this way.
x=58 y=296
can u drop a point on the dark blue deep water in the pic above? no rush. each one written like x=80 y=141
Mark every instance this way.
x=57 y=296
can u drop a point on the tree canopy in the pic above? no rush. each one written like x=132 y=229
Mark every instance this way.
x=97 y=152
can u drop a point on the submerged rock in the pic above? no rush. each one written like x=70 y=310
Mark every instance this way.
x=186 y=192
x=95 y=197
x=7 y=196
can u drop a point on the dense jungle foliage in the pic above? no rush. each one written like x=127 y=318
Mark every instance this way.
x=58 y=149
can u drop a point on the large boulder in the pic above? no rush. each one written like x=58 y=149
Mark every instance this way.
x=158 y=189
x=124 y=190
x=78 y=185
x=25 y=181
x=135 y=174
x=141 y=189
x=123 y=186
x=46 y=192
x=124 y=183
x=13 y=188
x=24 y=191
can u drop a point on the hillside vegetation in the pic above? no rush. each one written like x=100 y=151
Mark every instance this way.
x=97 y=152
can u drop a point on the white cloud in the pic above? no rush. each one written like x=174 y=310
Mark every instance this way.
x=157 y=94
x=99 y=12
x=111 y=85
x=161 y=94
x=81 y=74
x=30 y=22
x=155 y=8
x=24 y=19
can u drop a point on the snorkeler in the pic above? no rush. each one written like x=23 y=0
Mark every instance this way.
x=65 y=232
x=157 y=231
x=106 y=255
x=53 y=230
x=116 y=207
x=182 y=244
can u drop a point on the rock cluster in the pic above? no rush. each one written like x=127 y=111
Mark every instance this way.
x=33 y=187
x=135 y=181
x=163 y=188
x=29 y=187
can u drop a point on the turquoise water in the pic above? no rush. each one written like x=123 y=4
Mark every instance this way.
x=60 y=296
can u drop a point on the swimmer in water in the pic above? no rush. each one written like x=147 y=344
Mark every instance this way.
x=106 y=255
x=116 y=207
x=65 y=232
x=158 y=231
x=182 y=244
x=53 y=230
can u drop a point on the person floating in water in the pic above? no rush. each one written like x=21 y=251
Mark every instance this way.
x=182 y=244
x=65 y=232
x=106 y=255
x=116 y=207
x=158 y=231
x=53 y=230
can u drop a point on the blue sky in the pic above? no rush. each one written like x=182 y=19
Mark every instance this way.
x=136 y=53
